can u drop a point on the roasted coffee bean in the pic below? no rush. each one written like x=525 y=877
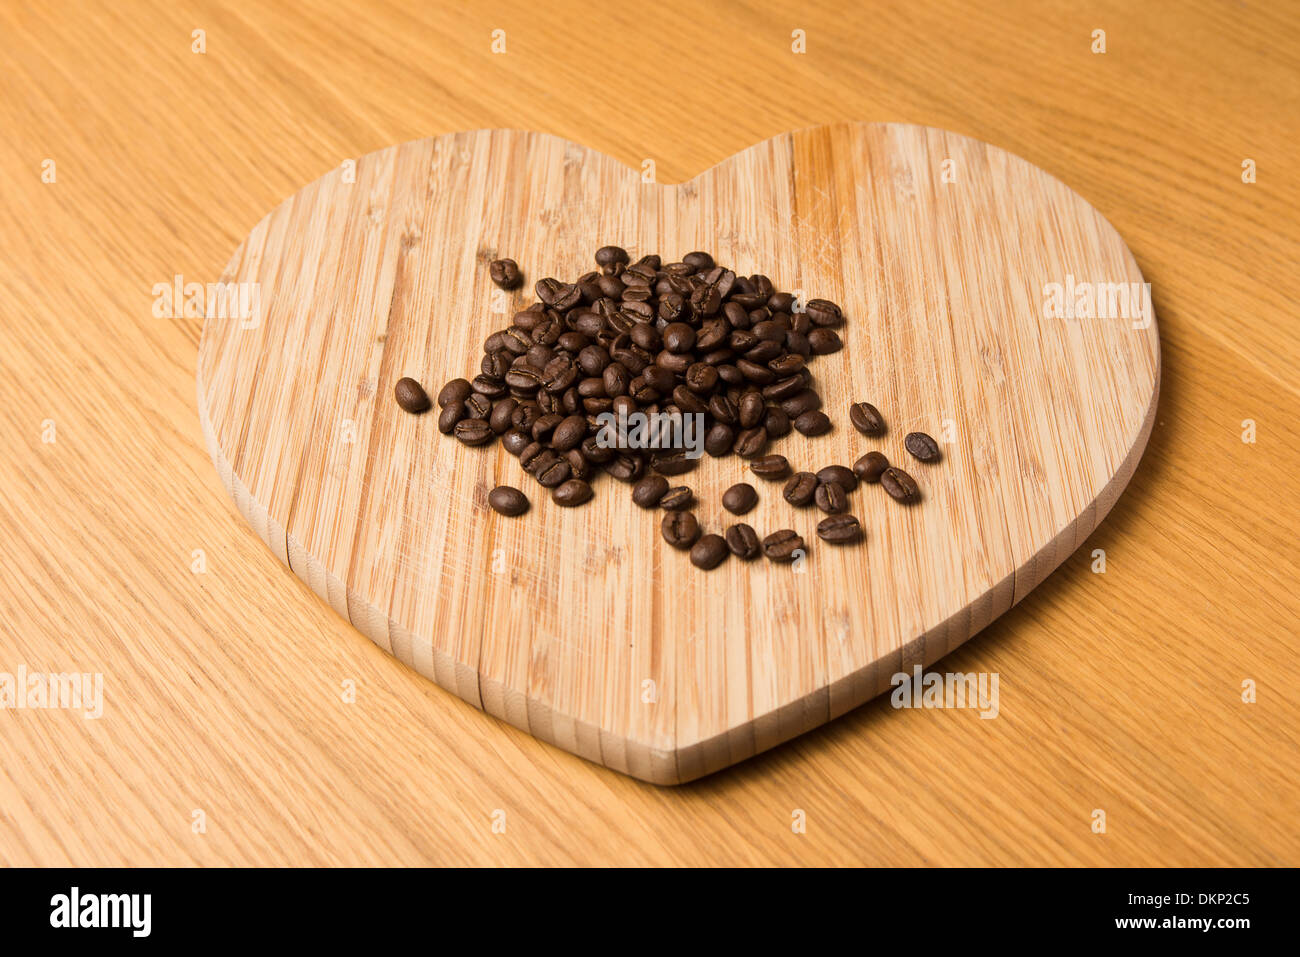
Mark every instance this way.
x=626 y=468
x=457 y=390
x=647 y=492
x=449 y=416
x=488 y=386
x=530 y=455
x=474 y=431
x=801 y=488
x=740 y=498
x=592 y=450
x=609 y=255
x=411 y=396
x=616 y=379
x=478 y=406
x=554 y=473
x=540 y=462
x=698 y=261
x=750 y=442
x=780 y=302
x=831 y=498
x=900 y=486
x=812 y=423
x=571 y=492
x=678 y=337
x=783 y=546
x=770 y=467
x=922 y=447
x=688 y=401
x=524 y=379
x=560 y=296
x=870 y=467
x=783 y=388
x=508 y=500
x=701 y=379
x=709 y=552
x=545 y=425
x=502 y=412
x=866 y=418
x=569 y=433
x=750 y=410
x=719 y=440
x=676 y=499
x=801 y=402
x=776 y=422
x=723 y=409
x=743 y=542
x=505 y=273
x=823 y=313
x=515 y=441
x=841 y=476
x=839 y=529
x=824 y=341
x=680 y=529
x=674 y=462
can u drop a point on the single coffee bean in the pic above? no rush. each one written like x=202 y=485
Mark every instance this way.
x=678 y=337
x=866 y=418
x=474 y=431
x=750 y=442
x=411 y=396
x=797 y=405
x=554 y=473
x=831 y=499
x=457 y=390
x=502 y=411
x=515 y=441
x=776 y=422
x=569 y=433
x=900 y=486
x=839 y=529
x=812 y=423
x=770 y=467
x=488 y=386
x=676 y=499
x=743 y=542
x=505 y=273
x=680 y=529
x=571 y=492
x=698 y=261
x=579 y=467
x=750 y=410
x=719 y=439
x=824 y=341
x=783 y=546
x=478 y=406
x=870 y=466
x=922 y=447
x=531 y=455
x=449 y=416
x=674 y=462
x=823 y=313
x=647 y=492
x=801 y=488
x=740 y=498
x=609 y=255
x=709 y=552
x=507 y=500
x=545 y=425
x=840 y=475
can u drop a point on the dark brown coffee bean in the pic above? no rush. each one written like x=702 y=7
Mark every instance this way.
x=677 y=498
x=743 y=542
x=488 y=386
x=839 y=529
x=571 y=492
x=709 y=552
x=411 y=396
x=701 y=379
x=647 y=492
x=680 y=529
x=776 y=422
x=531 y=455
x=798 y=404
x=505 y=273
x=870 y=466
x=740 y=498
x=554 y=473
x=780 y=302
x=507 y=500
x=560 y=296
x=569 y=433
x=678 y=337
x=812 y=423
x=719 y=439
x=824 y=341
x=688 y=401
x=823 y=313
x=478 y=406
x=922 y=447
x=457 y=390
x=626 y=468
x=698 y=261
x=784 y=388
x=609 y=255
x=502 y=412
x=546 y=424
x=770 y=467
x=900 y=486
x=840 y=475
x=783 y=546
x=750 y=442
x=866 y=418
x=750 y=410
x=515 y=441
x=449 y=416
x=474 y=431
x=831 y=498
x=801 y=488
x=675 y=462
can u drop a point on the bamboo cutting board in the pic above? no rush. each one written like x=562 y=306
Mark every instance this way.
x=581 y=626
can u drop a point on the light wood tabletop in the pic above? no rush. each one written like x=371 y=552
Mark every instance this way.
x=1147 y=708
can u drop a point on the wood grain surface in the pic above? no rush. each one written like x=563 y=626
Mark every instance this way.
x=245 y=722
x=584 y=627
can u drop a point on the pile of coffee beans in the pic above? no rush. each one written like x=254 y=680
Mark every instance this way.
x=658 y=339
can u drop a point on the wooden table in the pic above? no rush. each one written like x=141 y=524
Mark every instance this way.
x=245 y=723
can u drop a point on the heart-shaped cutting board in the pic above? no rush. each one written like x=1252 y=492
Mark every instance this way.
x=581 y=626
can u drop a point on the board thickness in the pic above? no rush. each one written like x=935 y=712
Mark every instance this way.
x=581 y=626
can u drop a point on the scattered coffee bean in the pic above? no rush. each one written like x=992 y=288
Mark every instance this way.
x=647 y=492
x=922 y=447
x=824 y=341
x=812 y=423
x=866 y=418
x=900 y=486
x=680 y=529
x=411 y=396
x=770 y=467
x=505 y=273
x=507 y=500
x=831 y=499
x=840 y=475
x=783 y=546
x=571 y=492
x=740 y=498
x=801 y=488
x=743 y=542
x=750 y=442
x=823 y=313
x=474 y=431
x=709 y=552
x=449 y=416
x=839 y=529
x=607 y=256
x=676 y=499
x=870 y=466
x=457 y=390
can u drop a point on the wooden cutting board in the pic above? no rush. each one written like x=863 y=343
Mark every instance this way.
x=581 y=626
